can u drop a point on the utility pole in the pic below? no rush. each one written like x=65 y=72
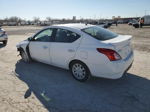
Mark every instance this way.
x=146 y=12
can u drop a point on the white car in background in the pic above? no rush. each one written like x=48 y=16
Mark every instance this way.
x=87 y=50
x=3 y=36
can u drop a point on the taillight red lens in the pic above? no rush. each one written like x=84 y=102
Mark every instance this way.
x=111 y=54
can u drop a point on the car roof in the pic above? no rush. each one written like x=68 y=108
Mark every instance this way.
x=78 y=26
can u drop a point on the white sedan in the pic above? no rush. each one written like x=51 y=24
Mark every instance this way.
x=85 y=50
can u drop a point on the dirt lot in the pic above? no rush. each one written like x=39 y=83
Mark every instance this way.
x=38 y=87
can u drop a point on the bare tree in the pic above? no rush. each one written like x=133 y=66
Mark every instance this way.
x=6 y=19
x=14 y=19
x=48 y=19
x=36 y=19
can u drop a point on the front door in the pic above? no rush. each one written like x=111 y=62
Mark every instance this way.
x=39 y=47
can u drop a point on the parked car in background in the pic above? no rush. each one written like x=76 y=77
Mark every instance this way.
x=12 y=23
x=85 y=50
x=101 y=24
x=104 y=24
x=120 y=21
x=3 y=36
x=133 y=21
x=143 y=21
x=130 y=23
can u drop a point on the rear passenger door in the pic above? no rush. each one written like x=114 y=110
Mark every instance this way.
x=64 y=47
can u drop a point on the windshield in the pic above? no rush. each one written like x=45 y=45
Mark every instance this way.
x=99 y=33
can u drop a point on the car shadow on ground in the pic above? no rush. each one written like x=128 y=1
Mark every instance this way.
x=56 y=89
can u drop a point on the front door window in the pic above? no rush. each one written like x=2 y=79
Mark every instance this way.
x=44 y=36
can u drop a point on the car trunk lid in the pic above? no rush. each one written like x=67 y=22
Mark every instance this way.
x=122 y=45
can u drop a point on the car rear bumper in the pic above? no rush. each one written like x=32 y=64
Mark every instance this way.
x=112 y=70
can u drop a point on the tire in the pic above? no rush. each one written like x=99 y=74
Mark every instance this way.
x=5 y=42
x=80 y=71
x=136 y=25
x=24 y=56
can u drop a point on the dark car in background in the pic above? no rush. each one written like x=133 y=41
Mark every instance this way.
x=3 y=36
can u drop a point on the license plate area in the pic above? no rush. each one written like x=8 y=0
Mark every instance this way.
x=125 y=51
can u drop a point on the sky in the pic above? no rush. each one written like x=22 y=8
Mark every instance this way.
x=28 y=9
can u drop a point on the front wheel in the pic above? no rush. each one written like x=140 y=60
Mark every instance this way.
x=24 y=57
x=80 y=71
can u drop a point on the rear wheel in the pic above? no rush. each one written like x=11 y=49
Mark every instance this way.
x=80 y=71
x=136 y=25
x=5 y=42
x=24 y=57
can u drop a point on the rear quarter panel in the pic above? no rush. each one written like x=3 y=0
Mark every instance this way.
x=87 y=53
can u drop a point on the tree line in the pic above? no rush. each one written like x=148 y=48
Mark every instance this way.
x=14 y=20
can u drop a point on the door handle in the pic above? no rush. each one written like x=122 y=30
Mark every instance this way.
x=45 y=47
x=71 y=50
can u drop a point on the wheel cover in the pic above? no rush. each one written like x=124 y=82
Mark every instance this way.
x=78 y=71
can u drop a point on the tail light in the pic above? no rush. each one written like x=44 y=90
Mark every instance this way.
x=111 y=54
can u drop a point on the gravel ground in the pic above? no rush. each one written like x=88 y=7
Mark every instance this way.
x=38 y=87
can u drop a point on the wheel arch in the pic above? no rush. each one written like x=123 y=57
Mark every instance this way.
x=77 y=60
x=20 y=49
x=26 y=50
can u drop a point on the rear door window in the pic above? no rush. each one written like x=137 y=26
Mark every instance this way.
x=63 y=35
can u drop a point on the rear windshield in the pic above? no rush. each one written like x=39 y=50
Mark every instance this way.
x=99 y=33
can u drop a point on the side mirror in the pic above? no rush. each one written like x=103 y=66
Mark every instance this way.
x=30 y=39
